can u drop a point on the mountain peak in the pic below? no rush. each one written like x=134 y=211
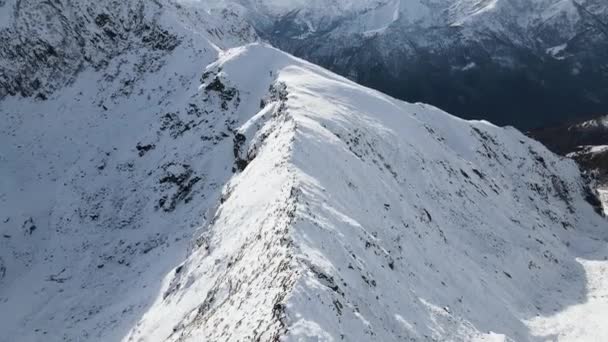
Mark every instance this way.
x=341 y=200
x=220 y=193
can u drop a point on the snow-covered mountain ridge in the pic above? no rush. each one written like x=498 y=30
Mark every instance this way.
x=353 y=195
x=527 y=63
x=245 y=194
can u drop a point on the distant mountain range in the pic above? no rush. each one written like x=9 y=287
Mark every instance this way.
x=526 y=63
x=574 y=135
x=586 y=141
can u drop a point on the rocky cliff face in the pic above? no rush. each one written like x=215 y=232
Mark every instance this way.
x=585 y=141
x=45 y=44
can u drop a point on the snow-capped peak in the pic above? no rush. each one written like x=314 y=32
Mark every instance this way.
x=359 y=217
x=194 y=193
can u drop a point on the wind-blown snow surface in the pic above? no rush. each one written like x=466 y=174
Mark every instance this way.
x=358 y=217
x=103 y=184
x=265 y=198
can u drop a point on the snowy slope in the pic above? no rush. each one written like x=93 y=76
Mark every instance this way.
x=44 y=45
x=604 y=198
x=104 y=183
x=358 y=217
x=264 y=198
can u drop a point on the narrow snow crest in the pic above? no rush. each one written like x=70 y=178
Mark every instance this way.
x=345 y=194
x=265 y=198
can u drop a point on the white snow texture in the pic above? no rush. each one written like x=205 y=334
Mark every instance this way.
x=237 y=193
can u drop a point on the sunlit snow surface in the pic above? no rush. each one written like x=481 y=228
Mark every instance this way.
x=581 y=322
x=604 y=198
x=366 y=218
x=264 y=198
